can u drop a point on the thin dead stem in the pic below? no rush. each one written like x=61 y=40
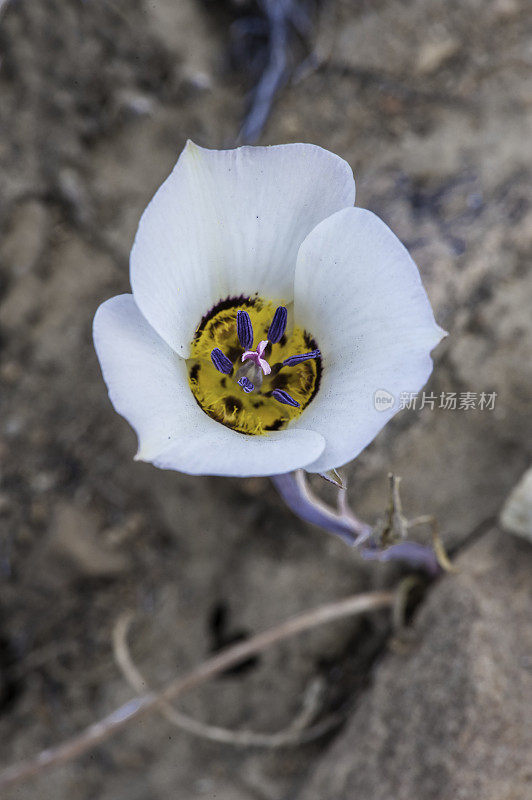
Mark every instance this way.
x=441 y=554
x=100 y=731
x=299 y=732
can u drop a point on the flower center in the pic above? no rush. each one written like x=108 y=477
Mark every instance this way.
x=250 y=390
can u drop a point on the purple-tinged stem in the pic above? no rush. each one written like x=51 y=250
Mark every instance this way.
x=296 y=493
x=294 y=490
x=416 y=555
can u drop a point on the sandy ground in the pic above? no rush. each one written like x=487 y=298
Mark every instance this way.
x=431 y=105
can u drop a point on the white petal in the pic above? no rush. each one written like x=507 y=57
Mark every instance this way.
x=213 y=449
x=148 y=385
x=360 y=295
x=230 y=223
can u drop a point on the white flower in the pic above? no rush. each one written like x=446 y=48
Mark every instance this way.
x=266 y=312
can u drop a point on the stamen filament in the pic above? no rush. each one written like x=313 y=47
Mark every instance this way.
x=293 y=360
x=221 y=362
x=278 y=326
x=244 y=329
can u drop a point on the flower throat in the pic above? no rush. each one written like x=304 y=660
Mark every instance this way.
x=247 y=371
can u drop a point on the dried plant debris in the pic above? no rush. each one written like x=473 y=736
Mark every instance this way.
x=269 y=40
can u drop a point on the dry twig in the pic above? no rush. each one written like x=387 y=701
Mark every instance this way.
x=297 y=733
x=102 y=730
x=441 y=554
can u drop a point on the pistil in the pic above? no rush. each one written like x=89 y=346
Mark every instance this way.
x=256 y=356
x=251 y=373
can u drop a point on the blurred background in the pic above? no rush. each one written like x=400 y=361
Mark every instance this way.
x=431 y=104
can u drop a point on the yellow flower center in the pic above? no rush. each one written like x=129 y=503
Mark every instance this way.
x=222 y=398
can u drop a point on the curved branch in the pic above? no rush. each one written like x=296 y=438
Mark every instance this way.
x=296 y=734
x=102 y=730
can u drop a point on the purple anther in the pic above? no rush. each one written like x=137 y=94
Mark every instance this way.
x=246 y=384
x=284 y=397
x=293 y=360
x=244 y=329
x=221 y=362
x=277 y=328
